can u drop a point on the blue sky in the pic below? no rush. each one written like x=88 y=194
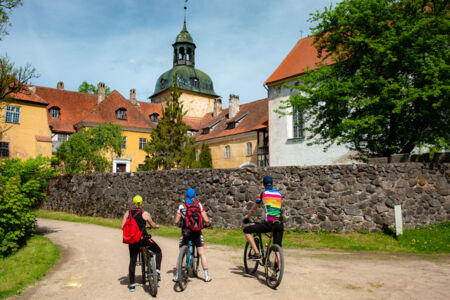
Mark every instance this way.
x=128 y=43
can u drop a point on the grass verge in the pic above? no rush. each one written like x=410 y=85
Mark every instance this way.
x=437 y=237
x=27 y=265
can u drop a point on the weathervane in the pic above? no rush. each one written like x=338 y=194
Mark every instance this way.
x=185 y=8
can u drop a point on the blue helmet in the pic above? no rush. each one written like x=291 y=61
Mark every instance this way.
x=267 y=181
x=190 y=193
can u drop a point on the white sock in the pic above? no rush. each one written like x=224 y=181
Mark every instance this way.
x=206 y=272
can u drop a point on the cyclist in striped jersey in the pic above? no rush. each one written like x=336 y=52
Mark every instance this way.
x=272 y=201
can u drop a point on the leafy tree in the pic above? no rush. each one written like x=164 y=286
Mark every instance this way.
x=205 y=158
x=387 y=90
x=22 y=188
x=87 y=151
x=88 y=88
x=170 y=144
x=5 y=9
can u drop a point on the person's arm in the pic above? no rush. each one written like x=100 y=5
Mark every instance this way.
x=252 y=210
x=124 y=219
x=177 y=219
x=146 y=216
x=205 y=218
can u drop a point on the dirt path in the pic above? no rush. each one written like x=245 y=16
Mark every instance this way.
x=94 y=265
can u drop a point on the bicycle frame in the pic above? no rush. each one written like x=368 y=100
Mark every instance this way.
x=263 y=247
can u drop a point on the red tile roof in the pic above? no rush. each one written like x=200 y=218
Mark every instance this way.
x=28 y=96
x=73 y=107
x=195 y=124
x=302 y=56
x=256 y=118
x=105 y=112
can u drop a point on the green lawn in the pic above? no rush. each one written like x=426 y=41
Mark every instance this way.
x=27 y=265
x=432 y=239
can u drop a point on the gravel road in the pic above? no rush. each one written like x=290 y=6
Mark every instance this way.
x=94 y=265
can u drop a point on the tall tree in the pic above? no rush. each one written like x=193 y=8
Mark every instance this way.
x=12 y=79
x=88 y=88
x=87 y=151
x=205 y=158
x=387 y=90
x=170 y=143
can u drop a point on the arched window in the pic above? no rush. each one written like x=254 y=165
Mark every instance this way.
x=194 y=82
x=162 y=83
x=249 y=149
x=121 y=113
x=154 y=117
x=55 y=112
x=227 y=152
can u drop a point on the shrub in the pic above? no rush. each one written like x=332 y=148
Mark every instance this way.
x=22 y=186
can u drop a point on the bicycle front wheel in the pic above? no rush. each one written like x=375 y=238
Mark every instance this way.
x=250 y=266
x=152 y=275
x=274 y=266
x=183 y=267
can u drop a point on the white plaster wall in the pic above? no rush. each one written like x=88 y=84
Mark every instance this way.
x=284 y=151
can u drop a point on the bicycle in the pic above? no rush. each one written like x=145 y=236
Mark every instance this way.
x=272 y=259
x=146 y=258
x=188 y=263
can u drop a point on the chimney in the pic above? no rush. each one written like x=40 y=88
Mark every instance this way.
x=101 y=92
x=60 y=85
x=133 y=96
x=217 y=107
x=32 y=88
x=233 y=106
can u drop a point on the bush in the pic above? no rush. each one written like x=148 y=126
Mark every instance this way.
x=22 y=186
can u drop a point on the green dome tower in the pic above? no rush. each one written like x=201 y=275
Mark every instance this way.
x=194 y=83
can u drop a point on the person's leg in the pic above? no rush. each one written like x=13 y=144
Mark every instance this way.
x=134 y=250
x=199 y=243
x=157 y=250
x=256 y=228
x=183 y=241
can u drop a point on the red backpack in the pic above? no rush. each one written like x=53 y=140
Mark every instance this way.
x=193 y=219
x=131 y=232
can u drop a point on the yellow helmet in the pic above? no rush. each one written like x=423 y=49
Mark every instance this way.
x=137 y=200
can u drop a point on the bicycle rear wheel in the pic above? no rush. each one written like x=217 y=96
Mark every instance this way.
x=183 y=267
x=152 y=275
x=250 y=266
x=195 y=262
x=141 y=262
x=274 y=266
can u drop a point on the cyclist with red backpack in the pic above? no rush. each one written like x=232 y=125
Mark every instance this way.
x=191 y=216
x=135 y=235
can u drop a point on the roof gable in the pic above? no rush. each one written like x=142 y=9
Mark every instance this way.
x=303 y=56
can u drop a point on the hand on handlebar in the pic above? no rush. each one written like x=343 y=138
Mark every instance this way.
x=246 y=220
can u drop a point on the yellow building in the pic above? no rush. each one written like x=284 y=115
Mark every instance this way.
x=24 y=119
x=69 y=112
x=237 y=136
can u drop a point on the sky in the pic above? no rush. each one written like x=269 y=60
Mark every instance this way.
x=128 y=43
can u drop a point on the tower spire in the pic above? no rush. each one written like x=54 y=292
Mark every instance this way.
x=185 y=8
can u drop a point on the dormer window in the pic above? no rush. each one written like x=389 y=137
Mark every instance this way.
x=154 y=117
x=195 y=82
x=231 y=125
x=121 y=113
x=55 y=112
x=162 y=83
x=205 y=130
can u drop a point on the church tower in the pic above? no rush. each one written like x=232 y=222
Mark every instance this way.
x=196 y=86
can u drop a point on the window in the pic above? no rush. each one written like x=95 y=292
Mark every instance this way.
x=124 y=143
x=227 y=152
x=62 y=137
x=297 y=123
x=205 y=130
x=121 y=114
x=154 y=117
x=162 y=83
x=142 y=142
x=4 y=149
x=194 y=82
x=231 y=125
x=249 y=149
x=55 y=112
x=12 y=114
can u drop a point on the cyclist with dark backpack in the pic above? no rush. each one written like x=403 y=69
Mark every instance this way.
x=192 y=218
x=135 y=235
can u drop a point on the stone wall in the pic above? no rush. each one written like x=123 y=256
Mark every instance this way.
x=337 y=197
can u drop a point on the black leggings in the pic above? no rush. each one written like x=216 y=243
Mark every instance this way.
x=278 y=230
x=134 y=250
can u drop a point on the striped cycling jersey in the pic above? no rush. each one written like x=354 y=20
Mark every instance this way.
x=272 y=200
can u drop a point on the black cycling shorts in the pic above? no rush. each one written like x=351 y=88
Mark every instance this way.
x=267 y=227
x=195 y=236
